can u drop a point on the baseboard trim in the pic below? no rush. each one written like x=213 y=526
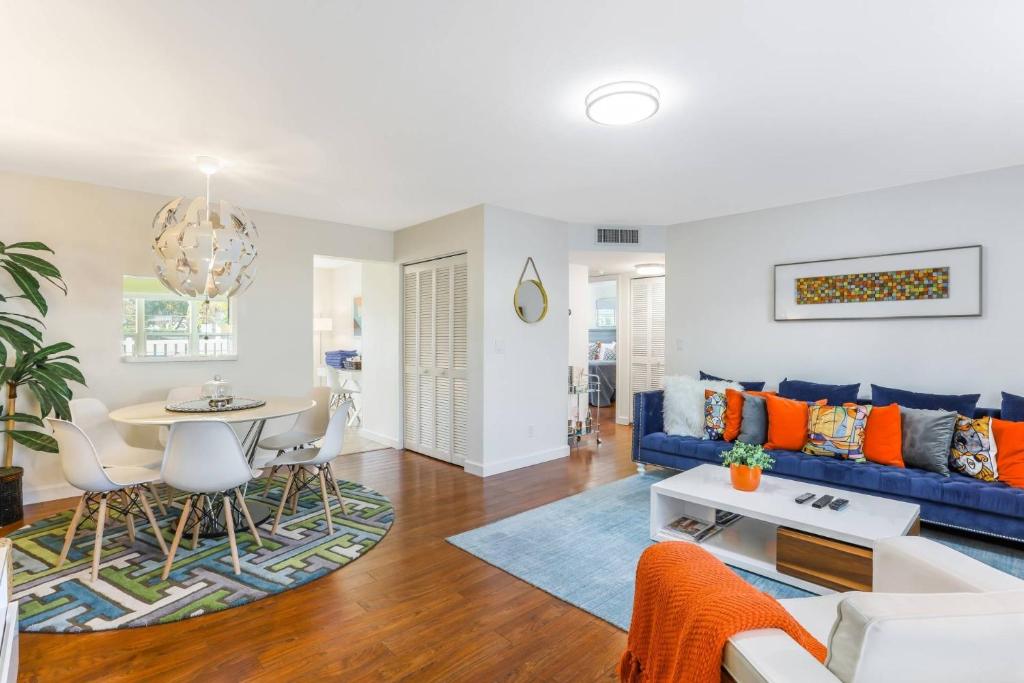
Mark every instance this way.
x=621 y=420
x=509 y=464
x=380 y=438
x=41 y=494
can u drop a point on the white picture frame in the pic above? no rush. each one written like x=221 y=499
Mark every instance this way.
x=964 y=297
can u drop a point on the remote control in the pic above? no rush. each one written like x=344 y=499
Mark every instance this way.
x=804 y=497
x=822 y=502
x=838 y=503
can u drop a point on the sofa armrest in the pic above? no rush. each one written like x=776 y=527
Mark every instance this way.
x=647 y=416
x=912 y=564
x=771 y=656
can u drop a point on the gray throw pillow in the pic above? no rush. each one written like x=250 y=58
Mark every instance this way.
x=754 y=424
x=927 y=437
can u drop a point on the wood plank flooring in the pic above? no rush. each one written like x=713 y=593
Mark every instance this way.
x=413 y=609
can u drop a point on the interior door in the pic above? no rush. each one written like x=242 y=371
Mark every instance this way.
x=435 y=357
x=647 y=335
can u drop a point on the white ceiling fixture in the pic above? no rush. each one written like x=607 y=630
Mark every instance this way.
x=649 y=269
x=202 y=251
x=622 y=103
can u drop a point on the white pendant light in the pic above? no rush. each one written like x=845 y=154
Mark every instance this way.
x=622 y=103
x=649 y=269
x=202 y=249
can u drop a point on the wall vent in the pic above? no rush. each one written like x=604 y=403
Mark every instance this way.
x=618 y=236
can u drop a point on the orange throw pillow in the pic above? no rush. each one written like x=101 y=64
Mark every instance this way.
x=1010 y=459
x=787 y=423
x=883 y=437
x=733 y=414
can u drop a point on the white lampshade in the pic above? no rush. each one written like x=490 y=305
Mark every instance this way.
x=323 y=324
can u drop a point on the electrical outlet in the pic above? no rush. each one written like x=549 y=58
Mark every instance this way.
x=529 y=431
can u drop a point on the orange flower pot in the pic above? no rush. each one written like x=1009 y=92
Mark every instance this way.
x=745 y=478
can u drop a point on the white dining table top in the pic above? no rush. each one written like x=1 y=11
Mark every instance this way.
x=156 y=413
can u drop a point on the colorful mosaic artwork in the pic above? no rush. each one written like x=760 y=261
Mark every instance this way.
x=891 y=285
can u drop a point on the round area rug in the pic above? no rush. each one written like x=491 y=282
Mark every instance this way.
x=129 y=591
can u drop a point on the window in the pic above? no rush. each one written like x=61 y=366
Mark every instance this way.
x=157 y=324
x=604 y=314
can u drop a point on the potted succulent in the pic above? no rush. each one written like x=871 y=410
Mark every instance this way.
x=745 y=462
x=43 y=370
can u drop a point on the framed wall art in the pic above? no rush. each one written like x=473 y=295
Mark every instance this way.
x=940 y=283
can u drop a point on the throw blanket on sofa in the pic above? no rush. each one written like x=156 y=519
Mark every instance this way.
x=686 y=606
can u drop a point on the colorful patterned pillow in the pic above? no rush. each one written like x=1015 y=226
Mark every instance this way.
x=714 y=415
x=974 y=448
x=837 y=431
x=594 y=351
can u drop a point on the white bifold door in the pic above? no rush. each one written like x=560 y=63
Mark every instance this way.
x=435 y=357
x=646 y=335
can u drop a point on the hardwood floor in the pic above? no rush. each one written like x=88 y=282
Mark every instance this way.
x=415 y=608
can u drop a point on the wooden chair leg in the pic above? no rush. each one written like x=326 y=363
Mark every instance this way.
x=284 y=497
x=327 y=504
x=337 y=491
x=177 y=537
x=248 y=518
x=199 y=520
x=270 y=478
x=300 y=479
x=156 y=497
x=129 y=518
x=76 y=519
x=97 y=546
x=152 y=521
x=229 y=521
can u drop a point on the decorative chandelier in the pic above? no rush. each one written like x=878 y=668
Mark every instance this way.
x=204 y=249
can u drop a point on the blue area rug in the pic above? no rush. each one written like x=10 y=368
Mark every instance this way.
x=584 y=549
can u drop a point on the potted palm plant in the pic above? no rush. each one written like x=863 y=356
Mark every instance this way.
x=26 y=362
x=745 y=462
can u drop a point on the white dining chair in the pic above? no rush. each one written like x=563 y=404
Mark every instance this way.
x=310 y=426
x=204 y=459
x=117 y=487
x=308 y=464
x=93 y=418
x=176 y=395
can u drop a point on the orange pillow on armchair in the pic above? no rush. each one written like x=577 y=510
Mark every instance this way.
x=787 y=423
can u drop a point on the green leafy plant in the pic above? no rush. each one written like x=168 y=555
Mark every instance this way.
x=748 y=454
x=44 y=370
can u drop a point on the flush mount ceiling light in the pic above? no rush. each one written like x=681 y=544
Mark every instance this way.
x=622 y=103
x=202 y=248
x=648 y=269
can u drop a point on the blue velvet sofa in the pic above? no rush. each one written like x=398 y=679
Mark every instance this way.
x=957 y=501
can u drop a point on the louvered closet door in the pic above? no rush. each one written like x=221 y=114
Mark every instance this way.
x=435 y=357
x=647 y=335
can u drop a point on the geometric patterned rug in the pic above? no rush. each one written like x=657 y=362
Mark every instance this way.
x=129 y=592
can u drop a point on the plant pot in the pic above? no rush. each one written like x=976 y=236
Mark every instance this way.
x=745 y=478
x=11 y=510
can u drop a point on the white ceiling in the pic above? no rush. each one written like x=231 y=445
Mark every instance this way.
x=613 y=262
x=386 y=113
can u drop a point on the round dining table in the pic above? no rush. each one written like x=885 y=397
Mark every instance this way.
x=156 y=413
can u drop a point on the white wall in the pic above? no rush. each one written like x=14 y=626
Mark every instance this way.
x=623 y=396
x=524 y=364
x=102 y=233
x=381 y=349
x=719 y=290
x=579 y=321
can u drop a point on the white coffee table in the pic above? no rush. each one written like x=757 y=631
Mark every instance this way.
x=819 y=550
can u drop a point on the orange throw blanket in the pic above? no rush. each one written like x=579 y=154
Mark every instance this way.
x=686 y=606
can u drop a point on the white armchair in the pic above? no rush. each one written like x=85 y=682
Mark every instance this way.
x=935 y=615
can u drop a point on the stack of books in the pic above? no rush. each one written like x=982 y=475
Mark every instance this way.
x=697 y=530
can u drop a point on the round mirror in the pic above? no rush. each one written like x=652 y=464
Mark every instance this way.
x=531 y=301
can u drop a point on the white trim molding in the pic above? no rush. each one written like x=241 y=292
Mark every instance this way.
x=488 y=469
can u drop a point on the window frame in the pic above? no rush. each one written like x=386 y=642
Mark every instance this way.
x=140 y=336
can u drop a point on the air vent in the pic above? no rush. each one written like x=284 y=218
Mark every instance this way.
x=618 y=236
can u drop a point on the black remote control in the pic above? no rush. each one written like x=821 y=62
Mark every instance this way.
x=838 y=503
x=822 y=502
x=804 y=497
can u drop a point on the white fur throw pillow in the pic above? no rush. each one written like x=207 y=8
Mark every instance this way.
x=684 y=403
